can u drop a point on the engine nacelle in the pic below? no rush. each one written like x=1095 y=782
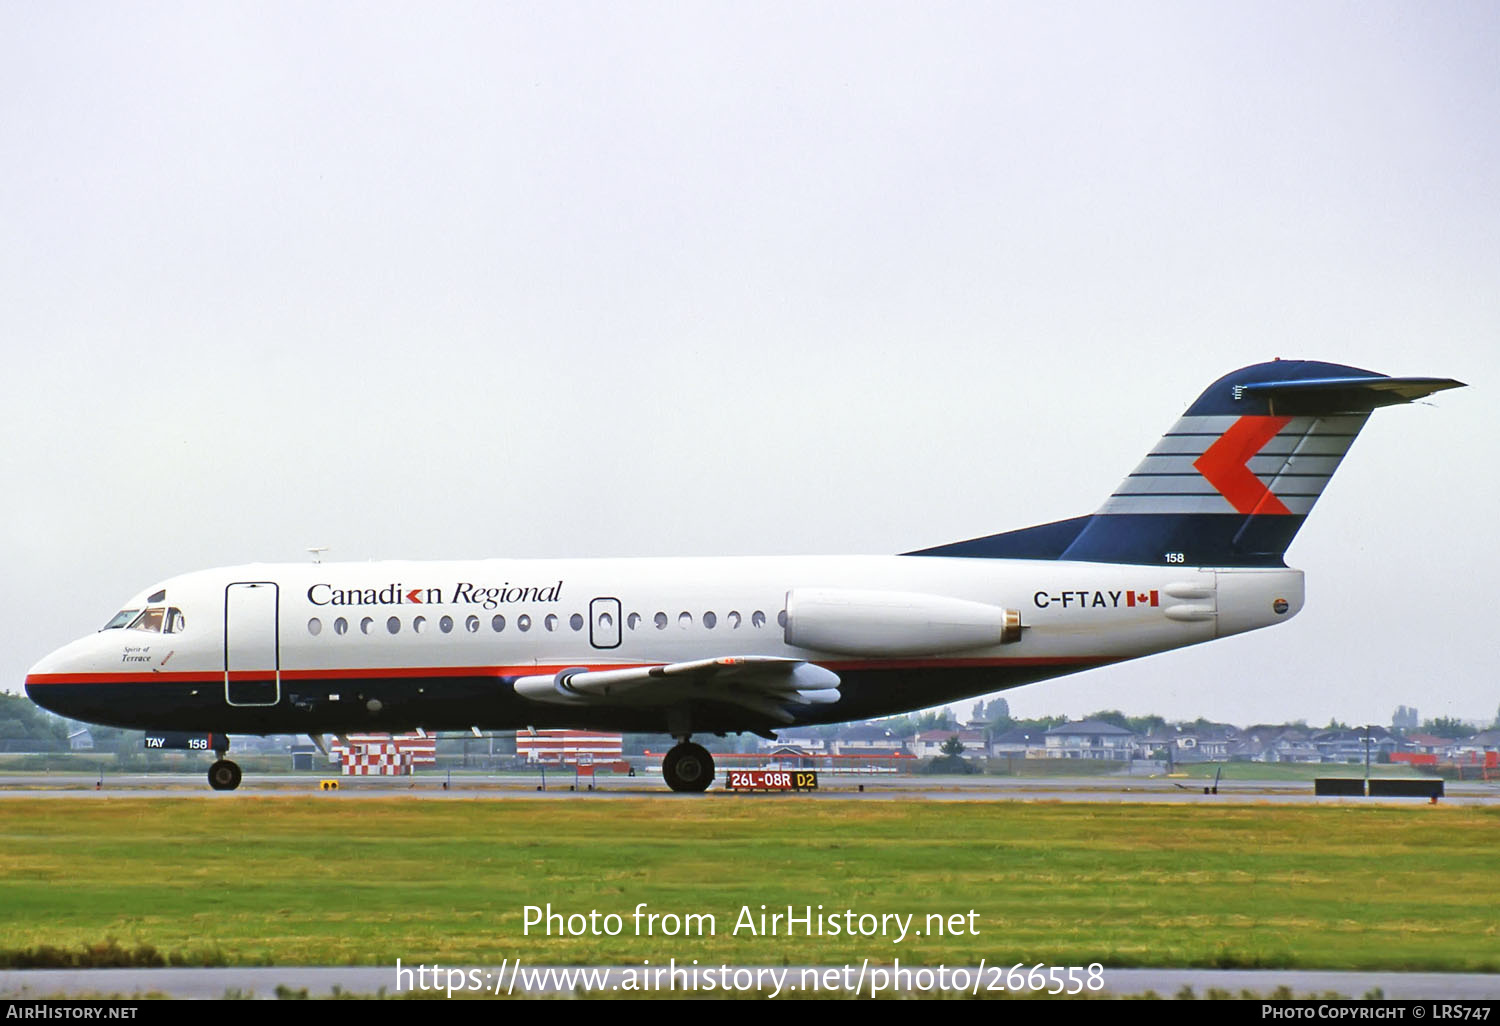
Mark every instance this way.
x=894 y=623
x=553 y=687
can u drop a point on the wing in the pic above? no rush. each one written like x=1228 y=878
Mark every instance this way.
x=764 y=684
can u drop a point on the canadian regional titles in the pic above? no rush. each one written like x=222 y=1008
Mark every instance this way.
x=749 y=921
x=463 y=593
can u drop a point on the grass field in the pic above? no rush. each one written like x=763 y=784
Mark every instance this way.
x=328 y=880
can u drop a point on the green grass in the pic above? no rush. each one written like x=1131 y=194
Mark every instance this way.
x=332 y=880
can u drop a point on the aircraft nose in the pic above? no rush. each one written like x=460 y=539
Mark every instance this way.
x=48 y=696
x=39 y=694
x=46 y=681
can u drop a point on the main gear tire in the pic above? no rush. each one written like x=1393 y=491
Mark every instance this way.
x=688 y=767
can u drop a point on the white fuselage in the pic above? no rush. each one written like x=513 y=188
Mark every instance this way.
x=404 y=631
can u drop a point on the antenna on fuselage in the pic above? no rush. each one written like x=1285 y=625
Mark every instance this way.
x=317 y=552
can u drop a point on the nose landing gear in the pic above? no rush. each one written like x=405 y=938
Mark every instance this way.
x=688 y=767
x=223 y=775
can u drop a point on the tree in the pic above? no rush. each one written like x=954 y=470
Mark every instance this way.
x=1447 y=726
x=932 y=719
x=22 y=720
x=1113 y=717
x=937 y=719
x=952 y=760
x=1145 y=724
x=998 y=714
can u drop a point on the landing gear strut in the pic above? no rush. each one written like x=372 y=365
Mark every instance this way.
x=688 y=767
x=224 y=775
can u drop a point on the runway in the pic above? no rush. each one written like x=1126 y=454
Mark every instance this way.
x=852 y=787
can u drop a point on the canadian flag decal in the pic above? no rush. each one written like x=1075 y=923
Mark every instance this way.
x=1142 y=598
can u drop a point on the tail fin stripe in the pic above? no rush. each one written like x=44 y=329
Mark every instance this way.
x=1313 y=466
x=1190 y=505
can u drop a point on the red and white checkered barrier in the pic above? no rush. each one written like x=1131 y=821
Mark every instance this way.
x=387 y=758
x=421 y=751
x=569 y=747
x=394 y=764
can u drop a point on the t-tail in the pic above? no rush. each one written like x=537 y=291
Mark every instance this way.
x=1232 y=481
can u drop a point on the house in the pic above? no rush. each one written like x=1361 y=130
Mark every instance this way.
x=1159 y=742
x=790 y=757
x=1091 y=739
x=1483 y=749
x=803 y=739
x=1205 y=743
x=1347 y=744
x=1020 y=743
x=1444 y=748
x=867 y=739
x=1266 y=742
x=929 y=743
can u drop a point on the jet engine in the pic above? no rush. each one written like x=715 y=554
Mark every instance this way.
x=893 y=623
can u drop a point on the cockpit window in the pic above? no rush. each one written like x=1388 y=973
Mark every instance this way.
x=120 y=619
x=154 y=619
x=150 y=620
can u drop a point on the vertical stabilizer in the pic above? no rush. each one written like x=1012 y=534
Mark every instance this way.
x=1233 y=479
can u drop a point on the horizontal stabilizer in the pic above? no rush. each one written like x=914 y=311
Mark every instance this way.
x=1324 y=396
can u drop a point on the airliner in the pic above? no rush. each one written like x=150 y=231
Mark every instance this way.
x=1187 y=549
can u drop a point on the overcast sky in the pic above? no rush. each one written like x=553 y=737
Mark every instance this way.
x=452 y=280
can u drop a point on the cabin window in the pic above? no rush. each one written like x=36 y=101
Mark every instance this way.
x=472 y=625
x=781 y=619
x=419 y=624
x=710 y=620
x=315 y=626
x=757 y=619
x=497 y=624
x=550 y=622
x=366 y=624
x=661 y=621
x=120 y=619
x=576 y=621
x=341 y=626
x=734 y=619
x=445 y=624
x=523 y=622
x=633 y=620
x=393 y=625
x=684 y=620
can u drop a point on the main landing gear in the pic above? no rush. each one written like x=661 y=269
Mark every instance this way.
x=688 y=767
x=223 y=775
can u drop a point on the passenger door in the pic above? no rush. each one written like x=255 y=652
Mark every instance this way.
x=252 y=652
